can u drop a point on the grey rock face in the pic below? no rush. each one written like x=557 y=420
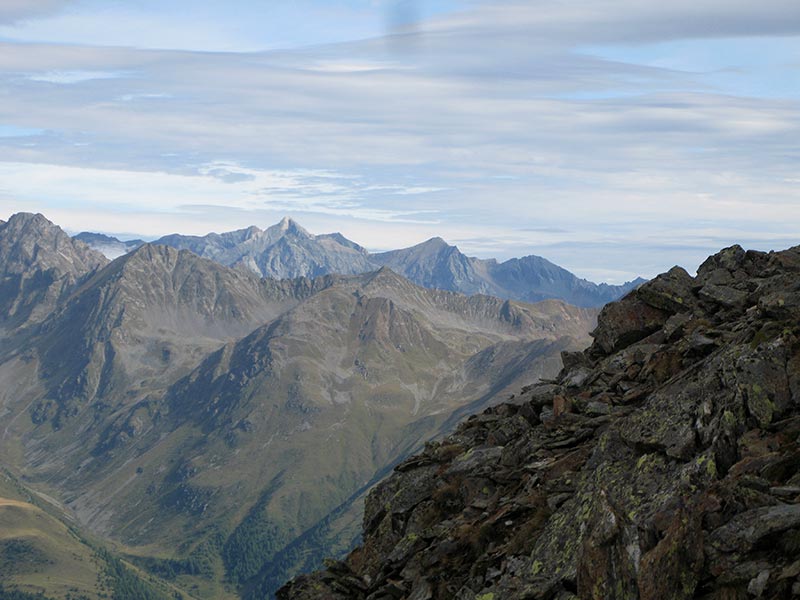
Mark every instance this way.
x=30 y=241
x=283 y=251
x=39 y=265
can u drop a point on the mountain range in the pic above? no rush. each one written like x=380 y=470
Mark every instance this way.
x=287 y=251
x=219 y=430
x=107 y=245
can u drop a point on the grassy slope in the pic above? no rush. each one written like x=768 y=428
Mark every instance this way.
x=38 y=553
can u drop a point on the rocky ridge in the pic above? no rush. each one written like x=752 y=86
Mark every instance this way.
x=662 y=462
x=286 y=251
x=283 y=251
x=437 y=264
x=40 y=266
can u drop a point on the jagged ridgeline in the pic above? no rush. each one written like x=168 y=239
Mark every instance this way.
x=286 y=251
x=221 y=429
x=664 y=463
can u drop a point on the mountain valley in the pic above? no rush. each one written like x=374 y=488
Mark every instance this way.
x=220 y=430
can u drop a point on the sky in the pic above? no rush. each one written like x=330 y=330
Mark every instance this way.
x=615 y=138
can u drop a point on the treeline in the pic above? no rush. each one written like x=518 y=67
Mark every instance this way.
x=14 y=594
x=251 y=544
x=305 y=554
x=170 y=568
x=255 y=540
x=124 y=583
x=199 y=563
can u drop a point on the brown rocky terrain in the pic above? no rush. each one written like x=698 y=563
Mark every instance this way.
x=662 y=463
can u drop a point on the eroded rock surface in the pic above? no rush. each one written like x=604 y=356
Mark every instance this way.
x=663 y=463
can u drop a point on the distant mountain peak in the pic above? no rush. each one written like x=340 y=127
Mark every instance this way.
x=34 y=220
x=378 y=282
x=98 y=237
x=39 y=265
x=111 y=247
x=167 y=256
x=38 y=240
x=435 y=242
x=431 y=247
x=151 y=250
x=149 y=255
x=385 y=274
x=339 y=239
x=289 y=226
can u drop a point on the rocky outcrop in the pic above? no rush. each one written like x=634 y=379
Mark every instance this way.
x=39 y=266
x=662 y=463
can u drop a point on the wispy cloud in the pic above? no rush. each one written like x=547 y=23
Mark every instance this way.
x=70 y=77
x=573 y=129
x=224 y=185
x=16 y=10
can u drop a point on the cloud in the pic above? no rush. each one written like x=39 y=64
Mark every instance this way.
x=207 y=25
x=70 y=77
x=620 y=21
x=16 y=10
x=506 y=129
x=224 y=185
x=144 y=96
x=11 y=131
